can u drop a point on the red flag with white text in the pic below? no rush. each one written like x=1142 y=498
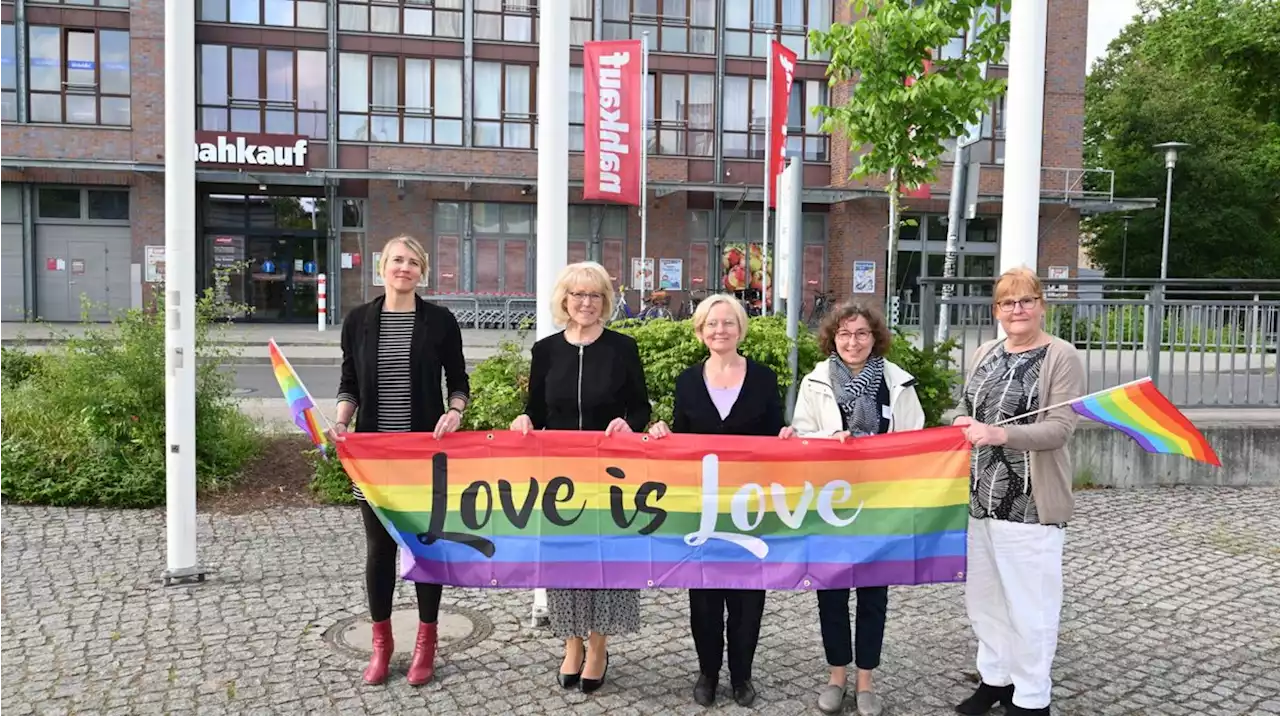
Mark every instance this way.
x=784 y=71
x=613 y=93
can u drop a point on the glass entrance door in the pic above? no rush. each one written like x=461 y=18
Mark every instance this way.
x=283 y=272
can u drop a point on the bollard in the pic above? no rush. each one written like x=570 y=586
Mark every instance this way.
x=321 y=300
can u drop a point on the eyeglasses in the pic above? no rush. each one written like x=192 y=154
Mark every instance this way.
x=581 y=297
x=859 y=336
x=1026 y=303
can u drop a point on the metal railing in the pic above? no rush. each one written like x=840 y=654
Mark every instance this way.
x=1207 y=343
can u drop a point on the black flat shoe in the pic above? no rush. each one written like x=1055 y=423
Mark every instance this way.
x=590 y=685
x=985 y=698
x=1012 y=709
x=704 y=692
x=568 y=681
x=744 y=694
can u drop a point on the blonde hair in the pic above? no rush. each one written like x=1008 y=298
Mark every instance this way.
x=408 y=242
x=1017 y=280
x=584 y=273
x=710 y=302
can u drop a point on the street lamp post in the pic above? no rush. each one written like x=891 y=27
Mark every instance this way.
x=1170 y=150
x=1124 y=248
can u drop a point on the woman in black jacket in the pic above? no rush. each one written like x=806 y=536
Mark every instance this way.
x=586 y=377
x=727 y=394
x=394 y=349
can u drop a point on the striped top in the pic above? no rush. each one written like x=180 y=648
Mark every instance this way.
x=395 y=341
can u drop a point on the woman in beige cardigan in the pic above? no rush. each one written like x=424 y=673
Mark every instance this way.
x=1019 y=498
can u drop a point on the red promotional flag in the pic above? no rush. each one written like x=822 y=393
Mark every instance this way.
x=613 y=85
x=784 y=70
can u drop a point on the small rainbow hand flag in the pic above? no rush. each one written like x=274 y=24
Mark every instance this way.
x=1139 y=410
x=300 y=403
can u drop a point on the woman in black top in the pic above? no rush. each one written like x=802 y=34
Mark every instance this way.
x=727 y=394
x=394 y=349
x=586 y=378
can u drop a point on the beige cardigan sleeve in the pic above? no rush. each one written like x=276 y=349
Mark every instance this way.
x=1066 y=381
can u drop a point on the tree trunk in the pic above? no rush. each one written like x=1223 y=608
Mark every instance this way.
x=891 y=262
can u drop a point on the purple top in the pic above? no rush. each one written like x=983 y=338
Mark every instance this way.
x=724 y=398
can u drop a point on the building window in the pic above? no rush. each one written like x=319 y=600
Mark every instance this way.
x=90 y=87
x=749 y=26
x=505 y=20
x=504 y=105
x=956 y=46
x=261 y=90
x=425 y=18
x=99 y=3
x=399 y=99
x=577 y=110
x=745 y=104
x=8 y=74
x=307 y=14
x=687 y=26
x=80 y=204
x=681 y=112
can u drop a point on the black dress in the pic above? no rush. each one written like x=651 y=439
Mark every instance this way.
x=584 y=387
x=756 y=411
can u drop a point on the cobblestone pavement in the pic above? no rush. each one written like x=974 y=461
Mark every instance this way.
x=1173 y=607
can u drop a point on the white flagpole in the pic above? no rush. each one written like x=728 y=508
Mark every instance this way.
x=644 y=165
x=768 y=164
x=1094 y=394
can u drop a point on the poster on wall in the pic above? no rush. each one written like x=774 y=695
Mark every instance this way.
x=642 y=280
x=375 y=261
x=1057 y=273
x=864 y=276
x=671 y=274
x=153 y=260
x=744 y=269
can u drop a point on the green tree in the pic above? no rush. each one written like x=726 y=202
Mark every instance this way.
x=1205 y=72
x=901 y=127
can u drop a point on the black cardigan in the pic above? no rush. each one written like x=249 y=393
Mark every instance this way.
x=585 y=388
x=436 y=349
x=757 y=411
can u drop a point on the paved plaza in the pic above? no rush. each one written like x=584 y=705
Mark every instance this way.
x=1173 y=607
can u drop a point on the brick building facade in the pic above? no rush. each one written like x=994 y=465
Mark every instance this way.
x=426 y=126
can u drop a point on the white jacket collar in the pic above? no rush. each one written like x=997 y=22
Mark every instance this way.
x=894 y=376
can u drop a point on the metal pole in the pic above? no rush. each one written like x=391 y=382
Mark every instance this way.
x=1020 y=222
x=955 y=215
x=180 y=292
x=791 y=204
x=768 y=190
x=1124 y=250
x=552 y=251
x=1164 y=247
x=644 y=167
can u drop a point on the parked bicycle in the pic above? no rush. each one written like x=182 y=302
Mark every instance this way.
x=655 y=306
x=822 y=302
x=691 y=301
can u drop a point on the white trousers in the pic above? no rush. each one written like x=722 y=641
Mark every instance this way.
x=1013 y=593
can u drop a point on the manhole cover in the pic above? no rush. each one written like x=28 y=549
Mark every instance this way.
x=242 y=391
x=460 y=628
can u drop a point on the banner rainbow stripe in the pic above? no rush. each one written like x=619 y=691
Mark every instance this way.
x=301 y=405
x=1141 y=411
x=581 y=510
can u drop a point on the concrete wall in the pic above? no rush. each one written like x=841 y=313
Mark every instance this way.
x=1250 y=453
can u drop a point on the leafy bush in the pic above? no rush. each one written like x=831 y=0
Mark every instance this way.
x=499 y=388
x=330 y=485
x=87 y=426
x=935 y=378
x=18 y=365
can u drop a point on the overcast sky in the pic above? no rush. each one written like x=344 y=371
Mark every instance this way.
x=1106 y=19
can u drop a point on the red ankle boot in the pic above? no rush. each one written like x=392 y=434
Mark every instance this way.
x=423 y=666
x=380 y=660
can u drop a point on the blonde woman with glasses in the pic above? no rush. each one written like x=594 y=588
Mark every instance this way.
x=586 y=377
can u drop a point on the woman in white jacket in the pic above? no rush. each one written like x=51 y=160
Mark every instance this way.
x=855 y=392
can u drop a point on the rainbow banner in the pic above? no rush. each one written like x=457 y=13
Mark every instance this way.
x=581 y=510
x=1140 y=410
x=300 y=402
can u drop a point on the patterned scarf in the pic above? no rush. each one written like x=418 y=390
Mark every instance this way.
x=858 y=395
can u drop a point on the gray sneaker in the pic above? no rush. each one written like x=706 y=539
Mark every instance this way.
x=831 y=699
x=869 y=704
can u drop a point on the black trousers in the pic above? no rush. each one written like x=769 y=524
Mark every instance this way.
x=381 y=573
x=863 y=647
x=706 y=618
